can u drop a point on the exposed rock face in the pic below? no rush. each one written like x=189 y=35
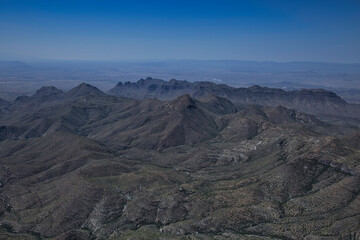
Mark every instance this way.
x=85 y=165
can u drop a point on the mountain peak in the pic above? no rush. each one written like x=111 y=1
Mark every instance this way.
x=84 y=85
x=184 y=102
x=319 y=95
x=84 y=89
x=256 y=87
x=47 y=90
x=47 y=93
x=150 y=80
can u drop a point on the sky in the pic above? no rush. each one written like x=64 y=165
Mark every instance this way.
x=257 y=30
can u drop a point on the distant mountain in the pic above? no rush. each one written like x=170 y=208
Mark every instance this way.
x=50 y=95
x=160 y=89
x=323 y=104
x=13 y=65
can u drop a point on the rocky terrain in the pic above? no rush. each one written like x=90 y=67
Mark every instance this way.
x=211 y=163
x=325 y=105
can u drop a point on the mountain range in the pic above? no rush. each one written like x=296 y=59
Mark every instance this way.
x=325 y=105
x=179 y=160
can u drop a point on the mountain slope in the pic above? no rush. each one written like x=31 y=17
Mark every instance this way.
x=279 y=184
x=154 y=125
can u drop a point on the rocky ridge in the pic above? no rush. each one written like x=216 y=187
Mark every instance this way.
x=324 y=104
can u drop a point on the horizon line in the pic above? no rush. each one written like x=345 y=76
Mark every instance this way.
x=174 y=60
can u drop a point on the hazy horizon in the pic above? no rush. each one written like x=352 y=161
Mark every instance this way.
x=47 y=60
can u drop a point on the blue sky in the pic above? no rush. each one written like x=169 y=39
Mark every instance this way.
x=317 y=30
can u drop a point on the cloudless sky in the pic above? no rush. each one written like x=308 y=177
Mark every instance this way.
x=308 y=30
